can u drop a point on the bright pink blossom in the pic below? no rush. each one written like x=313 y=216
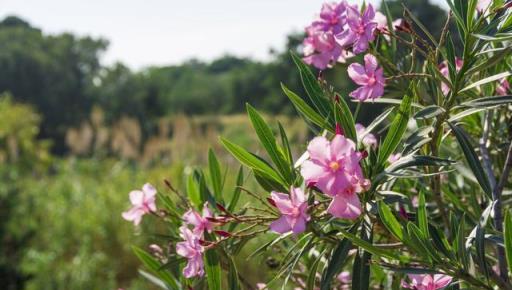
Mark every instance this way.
x=503 y=88
x=334 y=168
x=427 y=282
x=191 y=249
x=200 y=222
x=332 y=17
x=370 y=77
x=143 y=202
x=368 y=140
x=293 y=209
x=443 y=68
x=360 y=29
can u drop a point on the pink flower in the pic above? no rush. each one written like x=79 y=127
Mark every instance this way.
x=394 y=157
x=345 y=279
x=369 y=77
x=321 y=49
x=191 y=249
x=293 y=211
x=427 y=282
x=360 y=29
x=503 y=88
x=261 y=286
x=482 y=5
x=368 y=140
x=443 y=68
x=381 y=20
x=200 y=223
x=334 y=168
x=143 y=202
x=332 y=17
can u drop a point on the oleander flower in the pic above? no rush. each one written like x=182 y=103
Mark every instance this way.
x=359 y=30
x=200 y=222
x=332 y=17
x=143 y=202
x=503 y=88
x=443 y=68
x=191 y=249
x=394 y=157
x=370 y=77
x=321 y=49
x=293 y=209
x=381 y=20
x=344 y=278
x=427 y=282
x=482 y=5
x=368 y=140
x=334 y=168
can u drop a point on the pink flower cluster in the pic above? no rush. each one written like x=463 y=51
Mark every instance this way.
x=143 y=202
x=427 y=282
x=339 y=31
x=334 y=168
x=370 y=78
x=191 y=247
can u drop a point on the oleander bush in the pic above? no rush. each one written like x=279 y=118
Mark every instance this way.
x=419 y=198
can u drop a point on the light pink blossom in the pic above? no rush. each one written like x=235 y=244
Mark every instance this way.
x=503 y=88
x=334 y=168
x=332 y=17
x=427 y=282
x=143 y=202
x=482 y=5
x=200 y=222
x=293 y=209
x=191 y=249
x=321 y=49
x=394 y=157
x=381 y=20
x=369 y=77
x=368 y=140
x=443 y=68
x=360 y=29
x=344 y=278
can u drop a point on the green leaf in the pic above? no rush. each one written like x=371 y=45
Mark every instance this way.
x=154 y=280
x=233 y=280
x=212 y=268
x=487 y=80
x=371 y=248
x=236 y=193
x=312 y=87
x=429 y=112
x=252 y=161
x=488 y=102
x=338 y=258
x=193 y=191
x=422 y=215
x=507 y=234
x=268 y=141
x=390 y=221
x=215 y=175
x=396 y=130
x=154 y=266
x=471 y=158
x=304 y=109
x=361 y=266
x=344 y=117
x=310 y=283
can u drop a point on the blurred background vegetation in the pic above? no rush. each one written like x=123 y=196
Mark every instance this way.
x=76 y=136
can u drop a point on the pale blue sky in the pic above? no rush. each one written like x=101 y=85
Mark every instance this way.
x=161 y=32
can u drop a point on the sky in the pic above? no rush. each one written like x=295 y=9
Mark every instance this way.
x=164 y=32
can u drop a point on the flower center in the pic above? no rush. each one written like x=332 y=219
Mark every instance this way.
x=334 y=165
x=372 y=81
x=360 y=29
x=295 y=212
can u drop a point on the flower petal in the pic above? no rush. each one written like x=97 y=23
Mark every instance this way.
x=280 y=225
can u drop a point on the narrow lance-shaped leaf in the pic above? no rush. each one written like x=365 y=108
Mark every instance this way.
x=212 y=268
x=155 y=267
x=236 y=192
x=507 y=233
x=471 y=158
x=215 y=175
x=396 y=130
x=338 y=258
x=312 y=87
x=268 y=141
x=344 y=117
x=252 y=161
x=304 y=109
